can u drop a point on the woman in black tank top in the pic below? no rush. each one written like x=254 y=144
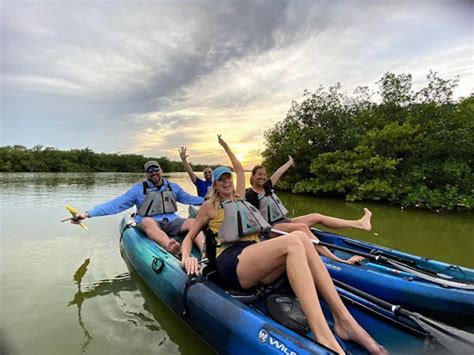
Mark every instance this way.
x=263 y=186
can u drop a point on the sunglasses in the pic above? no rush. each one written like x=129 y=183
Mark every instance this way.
x=153 y=170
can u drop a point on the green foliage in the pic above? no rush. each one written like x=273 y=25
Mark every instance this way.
x=411 y=148
x=18 y=158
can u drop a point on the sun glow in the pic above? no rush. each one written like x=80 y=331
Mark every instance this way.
x=241 y=157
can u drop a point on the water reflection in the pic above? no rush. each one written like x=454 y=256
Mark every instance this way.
x=162 y=319
x=178 y=332
x=78 y=299
x=114 y=286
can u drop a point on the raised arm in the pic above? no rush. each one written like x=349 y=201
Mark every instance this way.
x=281 y=170
x=238 y=168
x=187 y=166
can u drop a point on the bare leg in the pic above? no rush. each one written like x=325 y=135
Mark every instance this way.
x=345 y=325
x=336 y=223
x=291 y=227
x=199 y=240
x=261 y=261
x=151 y=229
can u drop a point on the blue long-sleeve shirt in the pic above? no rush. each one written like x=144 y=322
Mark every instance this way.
x=135 y=197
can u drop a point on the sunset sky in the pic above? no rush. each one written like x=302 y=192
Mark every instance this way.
x=149 y=76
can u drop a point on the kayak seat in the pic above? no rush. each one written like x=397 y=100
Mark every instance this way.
x=244 y=296
x=249 y=295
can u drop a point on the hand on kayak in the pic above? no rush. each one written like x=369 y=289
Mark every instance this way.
x=191 y=265
x=354 y=260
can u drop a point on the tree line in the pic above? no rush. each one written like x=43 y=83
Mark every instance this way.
x=18 y=158
x=413 y=148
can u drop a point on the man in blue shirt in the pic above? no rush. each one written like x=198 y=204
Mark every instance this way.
x=202 y=186
x=155 y=200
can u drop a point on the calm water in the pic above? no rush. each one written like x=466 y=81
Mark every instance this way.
x=66 y=291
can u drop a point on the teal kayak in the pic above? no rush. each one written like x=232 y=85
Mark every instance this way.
x=257 y=321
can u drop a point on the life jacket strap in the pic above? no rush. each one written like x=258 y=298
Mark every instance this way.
x=210 y=247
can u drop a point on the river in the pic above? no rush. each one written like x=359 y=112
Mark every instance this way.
x=65 y=290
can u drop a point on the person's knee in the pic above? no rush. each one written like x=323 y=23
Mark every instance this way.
x=294 y=242
x=302 y=227
x=304 y=237
x=300 y=234
x=306 y=240
x=187 y=224
x=316 y=218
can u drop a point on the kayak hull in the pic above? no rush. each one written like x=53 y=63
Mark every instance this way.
x=231 y=327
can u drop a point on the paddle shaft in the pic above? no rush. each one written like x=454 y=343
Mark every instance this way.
x=395 y=309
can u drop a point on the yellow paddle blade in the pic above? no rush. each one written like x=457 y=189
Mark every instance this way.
x=74 y=212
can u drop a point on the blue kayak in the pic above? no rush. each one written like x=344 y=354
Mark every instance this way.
x=243 y=323
x=440 y=290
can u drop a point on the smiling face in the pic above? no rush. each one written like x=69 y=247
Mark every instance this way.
x=154 y=175
x=259 y=177
x=225 y=186
x=208 y=174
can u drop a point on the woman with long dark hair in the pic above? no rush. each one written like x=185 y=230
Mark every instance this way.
x=262 y=196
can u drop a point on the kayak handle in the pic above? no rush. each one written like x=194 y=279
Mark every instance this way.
x=157 y=265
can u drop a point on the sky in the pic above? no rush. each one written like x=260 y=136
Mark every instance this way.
x=147 y=77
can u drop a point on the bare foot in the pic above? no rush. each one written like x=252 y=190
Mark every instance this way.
x=333 y=345
x=351 y=330
x=365 y=220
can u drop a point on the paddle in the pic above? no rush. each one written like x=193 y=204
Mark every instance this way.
x=455 y=340
x=74 y=212
x=420 y=273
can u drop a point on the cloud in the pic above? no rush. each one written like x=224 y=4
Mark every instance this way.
x=158 y=75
